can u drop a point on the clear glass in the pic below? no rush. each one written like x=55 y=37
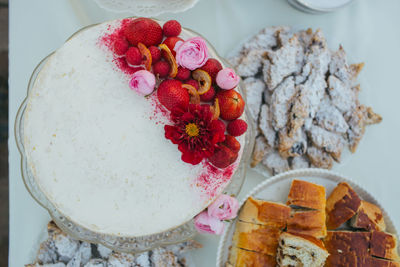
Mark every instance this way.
x=124 y=243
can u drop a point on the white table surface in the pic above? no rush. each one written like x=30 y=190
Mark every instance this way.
x=368 y=29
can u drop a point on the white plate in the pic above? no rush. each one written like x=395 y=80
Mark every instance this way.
x=277 y=189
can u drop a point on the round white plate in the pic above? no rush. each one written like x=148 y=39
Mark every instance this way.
x=277 y=189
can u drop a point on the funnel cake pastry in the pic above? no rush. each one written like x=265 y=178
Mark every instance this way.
x=310 y=98
x=60 y=250
x=124 y=129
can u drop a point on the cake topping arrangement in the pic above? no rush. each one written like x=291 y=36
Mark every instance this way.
x=297 y=234
x=304 y=98
x=185 y=80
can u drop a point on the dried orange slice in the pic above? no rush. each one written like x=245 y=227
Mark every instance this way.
x=215 y=109
x=204 y=80
x=194 y=95
x=146 y=55
x=171 y=60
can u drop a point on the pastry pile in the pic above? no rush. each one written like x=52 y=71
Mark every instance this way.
x=304 y=231
x=304 y=98
x=60 y=250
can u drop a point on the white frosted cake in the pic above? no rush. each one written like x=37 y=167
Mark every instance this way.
x=98 y=151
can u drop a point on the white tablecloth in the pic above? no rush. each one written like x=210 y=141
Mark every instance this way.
x=368 y=30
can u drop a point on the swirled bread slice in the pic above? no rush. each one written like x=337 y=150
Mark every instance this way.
x=300 y=250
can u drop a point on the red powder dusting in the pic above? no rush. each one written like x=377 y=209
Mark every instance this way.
x=212 y=178
x=108 y=41
x=159 y=111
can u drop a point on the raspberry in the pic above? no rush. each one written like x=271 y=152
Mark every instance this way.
x=121 y=46
x=193 y=83
x=155 y=53
x=237 y=127
x=209 y=95
x=212 y=67
x=133 y=56
x=172 y=28
x=183 y=74
x=162 y=69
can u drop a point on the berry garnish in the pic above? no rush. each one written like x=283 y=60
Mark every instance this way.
x=162 y=69
x=212 y=67
x=133 y=56
x=171 y=94
x=143 y=30
x=231 y=104
x=172 y=28
x=237 y=127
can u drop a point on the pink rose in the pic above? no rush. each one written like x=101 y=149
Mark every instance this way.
x=143 y=82
x=207 y=224
x=227 y=79
x=224 y=208
x=192 y=53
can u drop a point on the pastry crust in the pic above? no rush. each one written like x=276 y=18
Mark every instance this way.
x=243 y=258
x=307 y=195
x=265 y=213
x=369 y=217
x=339 y=242
x=310 y=222
x=384 y=245
x=341 y=205
x=256 y=238
x=342 y=260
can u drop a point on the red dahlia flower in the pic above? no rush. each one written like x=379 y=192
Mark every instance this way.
x=195 y=132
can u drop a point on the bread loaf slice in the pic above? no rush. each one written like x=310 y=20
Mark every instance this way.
x=306 y=195
x=257 y=238
x=309 y=222
x=369 y=217
x=384 y=245
x=341 y=205
x=300 y=250
x=265 y=213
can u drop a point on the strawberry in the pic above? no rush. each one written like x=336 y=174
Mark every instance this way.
x=121 y=46
x=212 y=67
x=172 y=28
x=209 y=95
x=143 y=30
x=155 y=53
x=171 y=94
x=223 y=157
x=231 y=104
x=170 y=42
x=161 y=68
x=183 y=74
x=232 y=143
x=237 y=127
x=193 y=83
x=133 y=56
